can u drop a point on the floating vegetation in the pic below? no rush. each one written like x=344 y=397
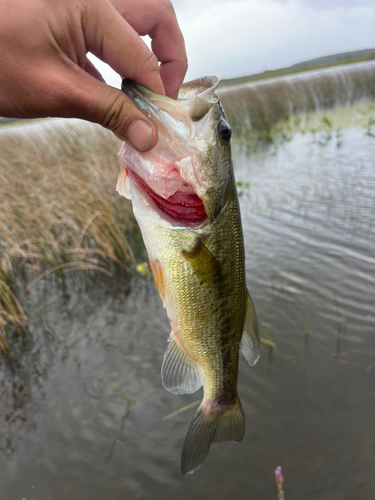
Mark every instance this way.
x=181 y=410
x=59 y=210
x=306 y=333
x=370 y=128
x=242 y=187
x=129 y=403
x=143 y=269
x=342 y=321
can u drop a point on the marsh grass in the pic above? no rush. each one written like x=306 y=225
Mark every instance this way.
x=262 y=110
x=59 y=210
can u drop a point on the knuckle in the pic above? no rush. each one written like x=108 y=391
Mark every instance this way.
x=168 y=5
x=117 y=117
x=148 y=67
x=182 y=65
x=151 y=62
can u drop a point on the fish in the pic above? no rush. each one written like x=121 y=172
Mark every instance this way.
x=185 y=201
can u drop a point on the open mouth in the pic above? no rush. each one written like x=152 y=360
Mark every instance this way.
x=181 y=206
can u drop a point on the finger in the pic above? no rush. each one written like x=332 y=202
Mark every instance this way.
x=167 y=40
x=76 y=94
x=120 y=46
x=169 y=46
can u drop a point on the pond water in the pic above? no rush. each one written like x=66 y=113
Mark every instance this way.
x=82 y=404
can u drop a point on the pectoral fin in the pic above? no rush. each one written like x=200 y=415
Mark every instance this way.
x=159 y=279
x=250 y=343
x=204 y=263
x=122 y=186
x=179 y=373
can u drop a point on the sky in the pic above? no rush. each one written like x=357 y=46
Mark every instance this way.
x=231 y=38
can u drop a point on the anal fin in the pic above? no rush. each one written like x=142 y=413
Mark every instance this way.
x=250 y=343
x=179 y=373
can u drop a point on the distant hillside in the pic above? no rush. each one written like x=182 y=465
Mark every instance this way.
x=342 y=57
x=317 y=63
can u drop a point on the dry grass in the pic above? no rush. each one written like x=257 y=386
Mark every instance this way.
x=58 y=208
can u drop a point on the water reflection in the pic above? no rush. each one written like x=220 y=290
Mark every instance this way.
x=82 y=404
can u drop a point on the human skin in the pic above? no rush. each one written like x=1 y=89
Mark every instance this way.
x=44 y=69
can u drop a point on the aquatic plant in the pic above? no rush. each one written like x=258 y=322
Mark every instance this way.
x=371 y=127
x=279 y=483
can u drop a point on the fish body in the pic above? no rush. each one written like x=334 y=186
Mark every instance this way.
x=185 y=201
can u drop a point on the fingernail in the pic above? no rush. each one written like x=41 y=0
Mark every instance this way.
x=139 y=135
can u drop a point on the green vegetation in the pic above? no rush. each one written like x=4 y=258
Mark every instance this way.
x=371 y=127
x=59 y=210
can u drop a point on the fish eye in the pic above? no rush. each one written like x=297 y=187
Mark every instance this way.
x=224 y=130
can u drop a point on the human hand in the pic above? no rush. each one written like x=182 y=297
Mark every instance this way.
x=45 y=71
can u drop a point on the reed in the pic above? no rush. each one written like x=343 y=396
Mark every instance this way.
x=58 y=208
x=255 y=108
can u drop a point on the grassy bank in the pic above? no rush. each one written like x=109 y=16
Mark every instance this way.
x=59 y=210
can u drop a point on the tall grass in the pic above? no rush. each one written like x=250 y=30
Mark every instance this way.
x=58 y=208
x=254 y=108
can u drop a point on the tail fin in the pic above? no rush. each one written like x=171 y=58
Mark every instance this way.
x=210 y=427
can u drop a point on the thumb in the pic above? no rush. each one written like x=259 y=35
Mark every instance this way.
x=93 y=100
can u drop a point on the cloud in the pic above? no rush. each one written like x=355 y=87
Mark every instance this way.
x=243 y=37
x=240 y=37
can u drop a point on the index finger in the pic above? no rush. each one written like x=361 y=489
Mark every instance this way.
x=116 y=42
x=158 y=20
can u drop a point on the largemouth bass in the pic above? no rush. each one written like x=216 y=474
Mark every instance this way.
x=185 y=201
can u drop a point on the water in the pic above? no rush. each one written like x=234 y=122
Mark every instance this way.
x=66 y=430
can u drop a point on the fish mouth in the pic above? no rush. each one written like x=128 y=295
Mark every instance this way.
x=173 y=178
x=183 y=207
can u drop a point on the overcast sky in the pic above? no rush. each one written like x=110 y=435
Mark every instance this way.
x=230 y=38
